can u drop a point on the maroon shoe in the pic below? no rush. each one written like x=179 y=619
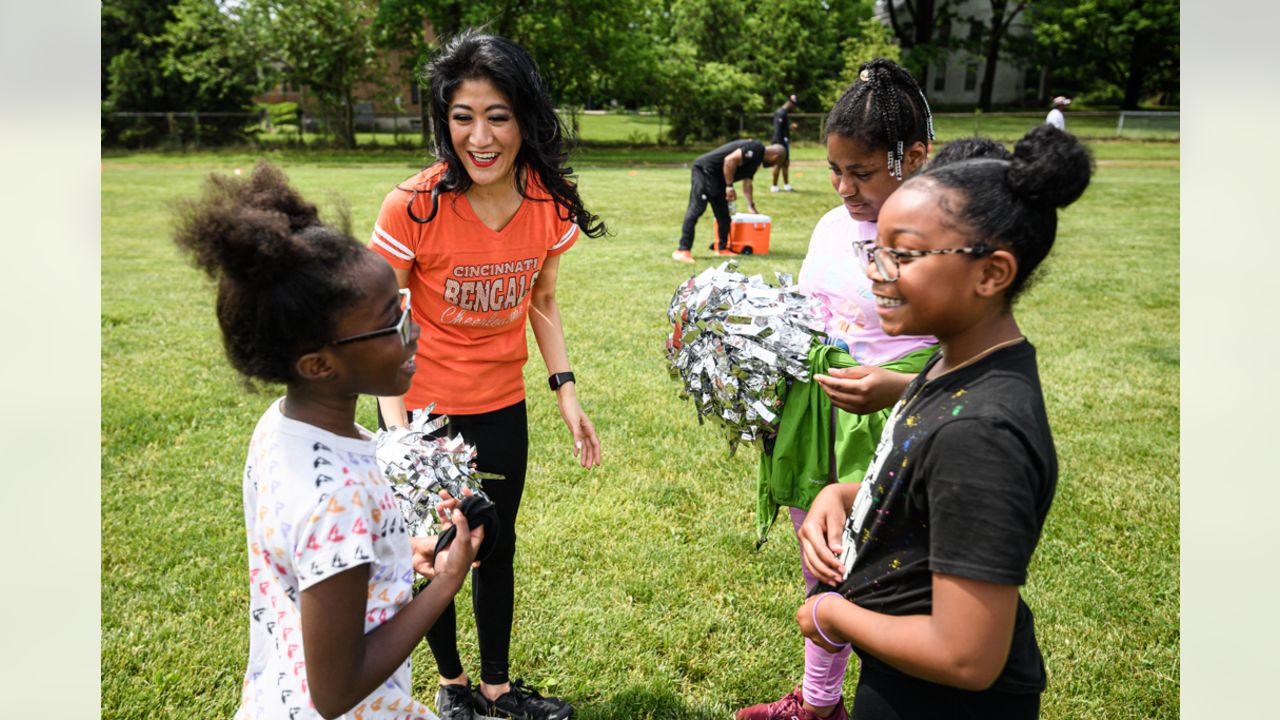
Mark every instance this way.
x=788 y=707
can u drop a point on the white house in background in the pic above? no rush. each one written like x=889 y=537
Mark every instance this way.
x=957 y=79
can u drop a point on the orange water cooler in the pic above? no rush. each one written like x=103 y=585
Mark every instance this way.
x=748 y=233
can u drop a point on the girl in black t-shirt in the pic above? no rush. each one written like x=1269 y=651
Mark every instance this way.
x=921 y=562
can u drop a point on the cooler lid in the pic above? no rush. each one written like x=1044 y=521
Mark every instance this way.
x=749 y=218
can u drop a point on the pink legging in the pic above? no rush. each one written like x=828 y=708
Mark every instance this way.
x=823 y=671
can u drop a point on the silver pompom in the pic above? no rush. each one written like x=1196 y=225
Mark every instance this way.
x=735 y=343
x=419 y=467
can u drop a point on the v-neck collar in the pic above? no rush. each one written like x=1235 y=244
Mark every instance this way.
x=469 y=213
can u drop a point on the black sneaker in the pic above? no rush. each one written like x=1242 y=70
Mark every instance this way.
x=453 y=702
x=521 y=703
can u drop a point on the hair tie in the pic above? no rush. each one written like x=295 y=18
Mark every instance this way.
x=864 y=76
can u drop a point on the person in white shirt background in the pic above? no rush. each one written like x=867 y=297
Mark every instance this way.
x=1055 y=117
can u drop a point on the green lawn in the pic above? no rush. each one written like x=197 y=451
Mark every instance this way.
x=640 y=594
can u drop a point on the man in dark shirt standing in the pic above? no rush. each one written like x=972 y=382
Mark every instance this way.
x=714 y=175
x=782 y=127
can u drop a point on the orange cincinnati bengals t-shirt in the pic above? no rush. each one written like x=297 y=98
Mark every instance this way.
x=470 y=288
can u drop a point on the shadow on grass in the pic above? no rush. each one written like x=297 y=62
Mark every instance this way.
x=647 y=703
x=773 y=255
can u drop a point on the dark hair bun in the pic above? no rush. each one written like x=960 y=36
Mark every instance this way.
x=1049 y=168
x=283 y=277
x=248 y=229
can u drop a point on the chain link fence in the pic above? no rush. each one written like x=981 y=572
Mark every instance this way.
x=1004 y=126
x=195 y=129
x=145 y=129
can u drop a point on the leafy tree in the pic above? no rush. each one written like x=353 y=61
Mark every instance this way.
x=584 y=48
x=206 y=49
x=178 y=56
x=867 y=40
x=699 y=79
x=581 y=45
x=703 y=98
x=712 y=60
x=1127 y=48
x=125 y=25
x=326 y=45
x=631 y=75
x=703 y=61
x=401 y=25
x=922 y=29
x=991 y=44
x=797 y=45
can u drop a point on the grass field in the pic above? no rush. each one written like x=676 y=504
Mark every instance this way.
x=639 y=593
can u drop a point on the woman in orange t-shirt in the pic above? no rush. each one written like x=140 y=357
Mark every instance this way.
x=477 y=237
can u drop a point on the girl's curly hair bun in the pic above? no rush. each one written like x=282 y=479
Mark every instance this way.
x=1014 y=202
x=283 y=275
x=247 y=228
x=1049 y=168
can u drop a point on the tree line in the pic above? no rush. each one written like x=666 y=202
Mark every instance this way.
x=701 y=63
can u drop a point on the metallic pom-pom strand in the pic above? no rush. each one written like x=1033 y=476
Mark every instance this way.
x=735 y=343
x=419 y=467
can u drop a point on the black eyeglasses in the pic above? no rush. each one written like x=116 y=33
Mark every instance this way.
x=887 y=259
x=401 y=326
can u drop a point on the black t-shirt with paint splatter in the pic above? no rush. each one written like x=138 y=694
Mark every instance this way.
x=960 y=485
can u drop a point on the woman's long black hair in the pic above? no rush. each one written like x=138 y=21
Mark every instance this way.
x=476 y=56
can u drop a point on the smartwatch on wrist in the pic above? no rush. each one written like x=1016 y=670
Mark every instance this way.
x=558 y=379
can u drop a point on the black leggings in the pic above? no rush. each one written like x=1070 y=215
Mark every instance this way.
x=884 y=693
x=501 y=438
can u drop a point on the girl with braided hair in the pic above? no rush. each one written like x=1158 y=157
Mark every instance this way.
x=877 y=134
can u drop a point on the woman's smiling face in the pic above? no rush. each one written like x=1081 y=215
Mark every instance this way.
x=484 y=132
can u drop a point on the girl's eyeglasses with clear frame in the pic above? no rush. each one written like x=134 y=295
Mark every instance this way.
x=887 y=259
x=401 y=326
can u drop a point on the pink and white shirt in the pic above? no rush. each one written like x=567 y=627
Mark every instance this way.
x=835 y=274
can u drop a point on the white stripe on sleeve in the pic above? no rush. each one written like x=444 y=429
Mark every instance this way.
x=568 y=235
x=390 y=244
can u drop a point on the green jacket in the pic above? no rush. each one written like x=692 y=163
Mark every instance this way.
x=798 y=466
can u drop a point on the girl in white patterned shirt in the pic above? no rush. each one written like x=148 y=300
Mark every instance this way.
x=332 y=615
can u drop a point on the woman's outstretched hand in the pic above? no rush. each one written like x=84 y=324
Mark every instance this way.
x=586 y=444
